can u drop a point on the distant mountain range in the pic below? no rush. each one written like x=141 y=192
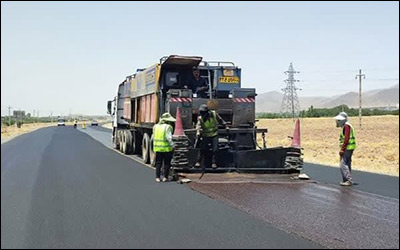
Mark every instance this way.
x=271 y=101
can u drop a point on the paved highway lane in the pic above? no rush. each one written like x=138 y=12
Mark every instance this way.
x=60 y=188
x=384 y=185
x=363 y=216
x=335 y=217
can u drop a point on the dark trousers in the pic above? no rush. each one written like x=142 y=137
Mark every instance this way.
x=163 y=157
x=345 y=165
x=208 y=147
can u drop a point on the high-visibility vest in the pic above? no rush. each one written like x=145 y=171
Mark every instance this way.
x=210 y=126
x=160 y=142
x=352 y=139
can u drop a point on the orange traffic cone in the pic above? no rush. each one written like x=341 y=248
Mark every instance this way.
x=178 y=124
x=296 y=135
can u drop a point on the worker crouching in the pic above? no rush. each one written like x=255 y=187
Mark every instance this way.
x=163 y=145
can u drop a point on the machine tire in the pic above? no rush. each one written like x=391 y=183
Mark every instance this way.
x=152 y=153
x=146 y=148
x=124 y=142
x=115 y=140
x=118 y=138
x=136 y=143
x=128 y=141
x=121 y=141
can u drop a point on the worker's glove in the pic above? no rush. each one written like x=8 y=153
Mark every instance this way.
x=341 y=152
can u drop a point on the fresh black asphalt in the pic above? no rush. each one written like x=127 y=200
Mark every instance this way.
x=60 y=188
x=363 y=216
x=384 y=185
x=372 y=183
x=333 y=216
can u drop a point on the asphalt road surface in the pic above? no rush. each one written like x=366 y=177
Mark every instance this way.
x=384 y=185
x=332 y=216
x=60 y=188
x=63 y=188
x=363 y=216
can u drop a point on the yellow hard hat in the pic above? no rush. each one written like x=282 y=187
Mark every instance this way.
x=168 y=117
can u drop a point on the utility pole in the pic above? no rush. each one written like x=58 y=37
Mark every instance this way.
x=290 y=102
x=9 y=115
x=360 y=76
x=51 y=116
x=20 y=117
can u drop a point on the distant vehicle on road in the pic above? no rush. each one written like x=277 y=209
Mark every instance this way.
x=61 y=122
x=94 y=123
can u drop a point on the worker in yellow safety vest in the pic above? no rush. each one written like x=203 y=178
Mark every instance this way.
x=163 y=145
x=207 y=129
x=347 y=144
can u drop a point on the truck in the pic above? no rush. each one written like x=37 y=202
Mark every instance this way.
x=141 y=98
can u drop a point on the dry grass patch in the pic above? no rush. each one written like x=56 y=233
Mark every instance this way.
x=107 y=125
x=377 y=142
x=12 y=131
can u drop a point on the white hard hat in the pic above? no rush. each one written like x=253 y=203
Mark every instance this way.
x=341 y=116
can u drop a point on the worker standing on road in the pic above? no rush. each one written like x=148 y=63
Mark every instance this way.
x=163 y=145
x=347 y=143
x=207 y=129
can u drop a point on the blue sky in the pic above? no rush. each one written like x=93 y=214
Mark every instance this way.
x=70 y=56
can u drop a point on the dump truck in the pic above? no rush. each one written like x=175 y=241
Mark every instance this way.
x=141 y=98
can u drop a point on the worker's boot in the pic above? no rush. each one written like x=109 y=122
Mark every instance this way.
x=346 y=183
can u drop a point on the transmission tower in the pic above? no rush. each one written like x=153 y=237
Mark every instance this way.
x=290 y=103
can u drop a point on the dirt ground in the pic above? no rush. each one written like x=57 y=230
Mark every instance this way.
x=12 y=131
x=107 y=125
x=377 y=142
